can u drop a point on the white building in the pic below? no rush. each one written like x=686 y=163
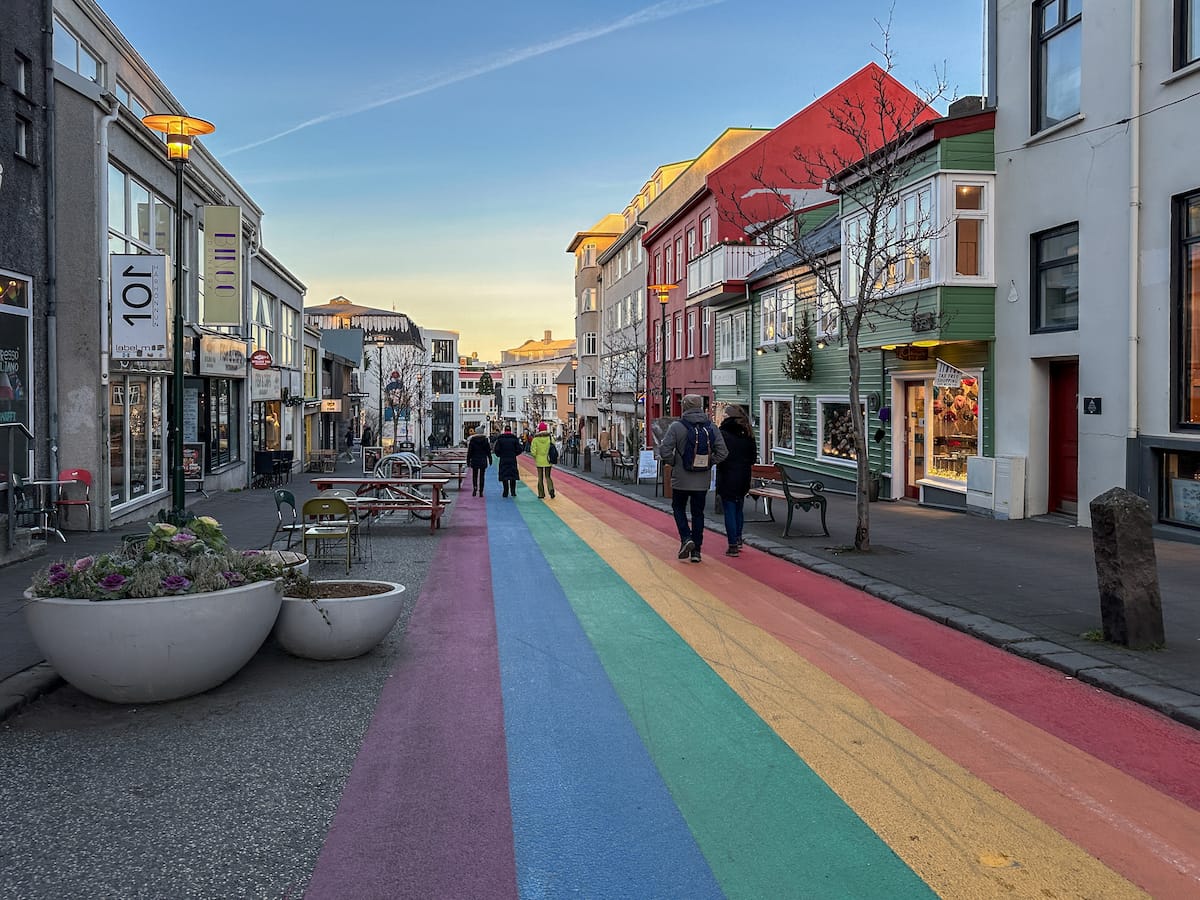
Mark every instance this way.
x=1098 y=251
x=530 y=374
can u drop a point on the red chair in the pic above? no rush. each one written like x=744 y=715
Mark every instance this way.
x=66 y=501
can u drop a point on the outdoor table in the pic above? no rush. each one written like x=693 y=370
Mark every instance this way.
x=45 y=505
x=410 y=498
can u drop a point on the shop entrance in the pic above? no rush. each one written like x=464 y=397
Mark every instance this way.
x=1064 y=437
x=914 y=437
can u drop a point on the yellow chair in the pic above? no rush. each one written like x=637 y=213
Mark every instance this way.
x=329 y=528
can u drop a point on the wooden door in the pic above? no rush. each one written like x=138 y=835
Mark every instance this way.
x=914 y=437
x=1064 y=437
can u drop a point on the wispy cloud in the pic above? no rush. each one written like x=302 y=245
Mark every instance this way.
x=654 y=13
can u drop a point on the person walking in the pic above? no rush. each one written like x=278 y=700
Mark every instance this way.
x=733 y=473
x=508 y=448
x=479 y=457
x=349 y=437
x=540 y=448
x=366 y=437
x=691 y=447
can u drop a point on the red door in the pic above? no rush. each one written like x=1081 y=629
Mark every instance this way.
x=1064 y=437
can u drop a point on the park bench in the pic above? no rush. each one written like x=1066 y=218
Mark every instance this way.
x=771 y=483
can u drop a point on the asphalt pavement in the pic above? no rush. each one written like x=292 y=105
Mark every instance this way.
x=1028 y=586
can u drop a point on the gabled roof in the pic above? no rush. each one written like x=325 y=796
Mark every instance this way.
x=821 y=240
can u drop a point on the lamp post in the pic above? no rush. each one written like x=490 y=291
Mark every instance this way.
x=664 y=294
x=379 y=375
x=180 y=130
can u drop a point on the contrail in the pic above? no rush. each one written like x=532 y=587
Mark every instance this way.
x=655 y=12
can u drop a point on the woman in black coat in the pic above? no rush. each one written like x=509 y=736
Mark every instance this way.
x=508 y=448
x=733 y=473
x=479 y=457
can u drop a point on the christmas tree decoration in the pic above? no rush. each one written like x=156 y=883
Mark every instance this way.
x=799 y=362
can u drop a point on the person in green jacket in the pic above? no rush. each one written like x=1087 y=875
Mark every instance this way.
x=539 y=448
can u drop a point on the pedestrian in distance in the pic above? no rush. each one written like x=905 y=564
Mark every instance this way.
x=349 y=437
x=508 y=448
x=733 y=473
x=366 y=437
x=691 y=447
x=545 y=455
x=479 y=457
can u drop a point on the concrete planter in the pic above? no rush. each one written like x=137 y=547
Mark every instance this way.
x=156 y=649
x=291 y=562
x=349 y=626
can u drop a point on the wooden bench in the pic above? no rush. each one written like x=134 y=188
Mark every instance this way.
x=805 y=495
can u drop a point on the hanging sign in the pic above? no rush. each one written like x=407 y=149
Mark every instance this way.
x=223 y=357
x=222 y=265
x=261 y=359
x=139 y=306
x=265 y=384
x=948 y=376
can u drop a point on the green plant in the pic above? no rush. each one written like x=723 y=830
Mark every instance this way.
x=171 y=560
x=798 y=365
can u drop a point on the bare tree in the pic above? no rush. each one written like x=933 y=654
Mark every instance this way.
x=623 y=372
x=397 y=385
x=885 y=240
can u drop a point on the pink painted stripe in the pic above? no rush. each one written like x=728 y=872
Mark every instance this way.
x=425 y=812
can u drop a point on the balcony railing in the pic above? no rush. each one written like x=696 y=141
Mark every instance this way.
x=724 y=262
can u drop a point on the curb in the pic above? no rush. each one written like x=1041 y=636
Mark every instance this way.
x=18 y=691
x=1180 y=705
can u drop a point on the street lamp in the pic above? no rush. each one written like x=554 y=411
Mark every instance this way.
x=664 y=294
x=379 y=375
x=180 y=130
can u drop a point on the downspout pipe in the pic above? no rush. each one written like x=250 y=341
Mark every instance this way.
x=1135 y=209
x=51 y=246
x=114 y=110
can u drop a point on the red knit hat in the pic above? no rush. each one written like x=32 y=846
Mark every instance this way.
x=541 y=426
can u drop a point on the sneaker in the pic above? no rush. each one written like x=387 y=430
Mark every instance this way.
x=741 y=542
x=552 y=495
x=686 y=549
x=733 y=551
x=695 y=556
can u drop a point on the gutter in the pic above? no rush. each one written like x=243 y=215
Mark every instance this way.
x=114 y=110
x=51 y=245
x=1135 y=210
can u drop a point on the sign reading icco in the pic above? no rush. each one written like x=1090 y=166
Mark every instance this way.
x=139 y=306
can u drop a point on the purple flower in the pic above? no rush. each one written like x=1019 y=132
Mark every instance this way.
x=183 y=538
x=84 y=563
x=59 y=576
x=174 y=583
x=57 y=567
x=113 y=582
x=234 y=578
x=252 y=553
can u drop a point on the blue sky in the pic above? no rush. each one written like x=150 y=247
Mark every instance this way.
x=437 y=158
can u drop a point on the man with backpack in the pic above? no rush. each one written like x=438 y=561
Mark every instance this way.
x=692 y=446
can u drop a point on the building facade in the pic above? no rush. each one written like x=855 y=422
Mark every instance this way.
x=530 y=383
x=587 y=247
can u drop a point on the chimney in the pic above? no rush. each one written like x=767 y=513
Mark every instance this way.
x=546 y=339
x=965 y=106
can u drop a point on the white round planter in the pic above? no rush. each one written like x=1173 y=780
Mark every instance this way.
x=354 y=626
x=289 y=561
x=161 y=648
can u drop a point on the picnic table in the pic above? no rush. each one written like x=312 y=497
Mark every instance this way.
x=377 y=496
x=454 y=468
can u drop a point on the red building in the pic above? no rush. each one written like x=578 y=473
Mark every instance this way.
x=705 y=245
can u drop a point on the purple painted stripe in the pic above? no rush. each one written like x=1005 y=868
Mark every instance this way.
x=426 y=812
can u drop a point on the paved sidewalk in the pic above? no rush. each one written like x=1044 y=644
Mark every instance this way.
x=1028 y=586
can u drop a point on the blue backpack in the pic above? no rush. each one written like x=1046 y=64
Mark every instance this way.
x=697 y=448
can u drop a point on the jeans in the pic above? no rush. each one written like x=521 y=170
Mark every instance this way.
x=680 y=501
x=477 y=476
x=735 y=518
x=545 y=481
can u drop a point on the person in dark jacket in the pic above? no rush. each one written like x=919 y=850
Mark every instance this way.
x=479 y=457
x=508 y=448
x=689 y=489
x=733 y=473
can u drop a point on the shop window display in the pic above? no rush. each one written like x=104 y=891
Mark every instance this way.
x=955 y=429
x=1181 y=489
x=837 y=431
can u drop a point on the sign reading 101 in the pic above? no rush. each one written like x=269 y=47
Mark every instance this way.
x=139 y=306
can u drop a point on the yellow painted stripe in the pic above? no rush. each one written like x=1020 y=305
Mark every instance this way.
x=961 y=836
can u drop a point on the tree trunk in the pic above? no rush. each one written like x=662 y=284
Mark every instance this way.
x=862 y=502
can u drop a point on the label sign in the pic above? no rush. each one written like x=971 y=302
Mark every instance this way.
x=948 y=376
x=1093 y=406
x=265 y=384
x=139 y=306
x=222 y=265
x=261 y=359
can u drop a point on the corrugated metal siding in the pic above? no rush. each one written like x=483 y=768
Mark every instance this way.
x=974 y=152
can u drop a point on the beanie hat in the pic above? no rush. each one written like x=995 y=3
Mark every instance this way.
x=692 y=401
x=541 y=426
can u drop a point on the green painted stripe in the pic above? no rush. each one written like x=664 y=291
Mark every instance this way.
x=768 y=826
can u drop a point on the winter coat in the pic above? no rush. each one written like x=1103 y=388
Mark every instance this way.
x=670 y=451
x=540 y=448
x=479 y=452
x=508 y=448
x=733 y=472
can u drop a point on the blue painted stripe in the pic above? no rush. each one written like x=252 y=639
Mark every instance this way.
x=591 y=815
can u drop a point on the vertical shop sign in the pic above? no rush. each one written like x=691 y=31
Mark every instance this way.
x=139 y=306
x=222 y=265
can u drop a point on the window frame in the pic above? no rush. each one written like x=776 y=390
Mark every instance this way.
x=1037 y=266
x=1040 y=40
x=589 y=343
x=691 y=333
x=1187 y=30
x=80 y=49
x=705 y=331
x=24 y=77
x=984 y=215
x=1181 y=324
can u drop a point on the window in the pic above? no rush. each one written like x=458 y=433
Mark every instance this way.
x=955 y=428
x=21 y=147
x=777 y=424
x=589 y=387
x=525 y=379
x=835 y=433
x=264 y=315
x=691 y=333
x=969 y=212
x=442 y=382
x=587 y=300
x=691 y=243
x=658 y=268
x=1058 y=34
x=1180 y=489
x=310 y=372
x=705 y=233
x=289 y=344
x=589 y=343
x=72 y=53
x=658 y=342
x=138 y=221
x=1187 y=32
x=443 y=351
x=1188 y=317
x=1055 y=256
x=778 y=314
x=731 y=337
x=589 y=255
x=512 y=403
x=827 y=310
x=705 y=331
x=679 y=257
x=24 y=75
x=678 y=335
x=667 y=269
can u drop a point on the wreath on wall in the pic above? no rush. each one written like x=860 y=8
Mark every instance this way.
x=799 y=362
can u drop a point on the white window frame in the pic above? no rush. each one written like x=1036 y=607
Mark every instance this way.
x=985 y=215
x=821 y=402
x=731 y=337
x=705 y=331
x=589 y=343
x=772 y=427
x=691 y=333
x=679 y=335
x=589 y=387
x=705 y=233
x=777 y=316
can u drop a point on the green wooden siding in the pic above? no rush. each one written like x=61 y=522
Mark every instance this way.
x=960 y=314
x=973 y=152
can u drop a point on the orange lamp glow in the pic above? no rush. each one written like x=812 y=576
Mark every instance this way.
x=663 y=291
x=180 y=130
